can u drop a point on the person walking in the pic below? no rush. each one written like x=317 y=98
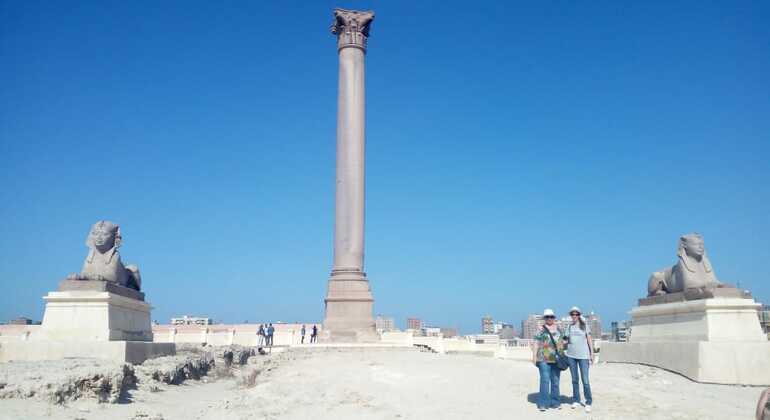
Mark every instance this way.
x=302 y=331
x=261 y=336
x=547 y=343
x=270 y=332
x=314 y=334
x=580 y=355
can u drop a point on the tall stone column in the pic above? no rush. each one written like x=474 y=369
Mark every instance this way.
x=349 y=298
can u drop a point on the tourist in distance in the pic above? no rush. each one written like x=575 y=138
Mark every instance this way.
x=270 y=332
x=547 y=343
x=314 y=334
x=261 y=336
x=302 y=331
x=580 y=354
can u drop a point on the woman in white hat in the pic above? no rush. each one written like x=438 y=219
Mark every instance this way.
x=546 y=343
x=580 y=354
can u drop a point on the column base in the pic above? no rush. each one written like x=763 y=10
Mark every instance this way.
x=348 y=312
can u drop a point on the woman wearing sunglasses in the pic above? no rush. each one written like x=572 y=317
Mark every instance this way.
x=580 y=355
x=546 y=343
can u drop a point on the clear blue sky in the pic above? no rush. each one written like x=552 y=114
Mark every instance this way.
x=519 y=155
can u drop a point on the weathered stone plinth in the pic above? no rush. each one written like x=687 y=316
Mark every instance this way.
x=696 y=294
x=99 y=286
x=92 y=319
x=349 y=309
x=93 y=315
x=714 y=340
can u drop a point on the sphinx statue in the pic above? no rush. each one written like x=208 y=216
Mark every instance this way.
x=692 y=271
x=103 y=261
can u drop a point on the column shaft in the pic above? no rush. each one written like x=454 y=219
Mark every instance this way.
x=350 y=179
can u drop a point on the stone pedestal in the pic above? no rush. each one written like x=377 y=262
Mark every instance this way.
x=349 y=309
x=713 y=340
x=93 y=319
x=95 y=316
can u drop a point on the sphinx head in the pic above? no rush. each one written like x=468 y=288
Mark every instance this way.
x=104 y=236
x=692 y=245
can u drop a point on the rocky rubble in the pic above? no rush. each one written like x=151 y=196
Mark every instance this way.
x=174 y=370
x=66 y=380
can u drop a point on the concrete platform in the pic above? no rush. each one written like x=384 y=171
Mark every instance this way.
x=702 y=361
x=134 y=352
x=716 y=340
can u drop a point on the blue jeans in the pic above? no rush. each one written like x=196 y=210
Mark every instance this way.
x=549 y=378
x=574 y=365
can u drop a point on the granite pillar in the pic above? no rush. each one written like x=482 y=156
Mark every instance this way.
x=348 y=312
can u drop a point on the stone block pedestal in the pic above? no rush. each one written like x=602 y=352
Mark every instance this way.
x=95 y=316
x=349 y=311
x=91 y=319
x=713 y=340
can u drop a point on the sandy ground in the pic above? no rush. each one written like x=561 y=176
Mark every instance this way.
x=406 y=384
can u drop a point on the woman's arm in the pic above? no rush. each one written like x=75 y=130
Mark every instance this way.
x=762 y=403
x=590 y=348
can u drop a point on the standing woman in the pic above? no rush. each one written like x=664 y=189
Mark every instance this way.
x=544 y=357
x=580 y=354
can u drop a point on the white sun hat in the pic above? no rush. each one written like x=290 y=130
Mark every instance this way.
x=575 y=309
x=548 y=312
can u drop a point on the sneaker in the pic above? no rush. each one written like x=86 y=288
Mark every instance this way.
x=575 y=405
x=541 y=408
x=588 y=408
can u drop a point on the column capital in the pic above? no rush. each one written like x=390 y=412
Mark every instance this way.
x=352 y=27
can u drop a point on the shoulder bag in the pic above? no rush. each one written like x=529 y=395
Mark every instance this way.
x=561 y=359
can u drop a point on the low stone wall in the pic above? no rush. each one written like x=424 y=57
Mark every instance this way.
x=463 y=345
x=229 y=334
x=11 y=333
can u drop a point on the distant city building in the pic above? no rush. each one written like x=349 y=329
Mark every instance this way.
x=620 y=330
x=531 y=326
x=449 y=332
x=384 y=324
x=191 y=320
x=487 y=325
x=21 y=321
x=431 y=331
x=485 y=338
x=506 y=332
x=595 y=324
x=414 y=324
